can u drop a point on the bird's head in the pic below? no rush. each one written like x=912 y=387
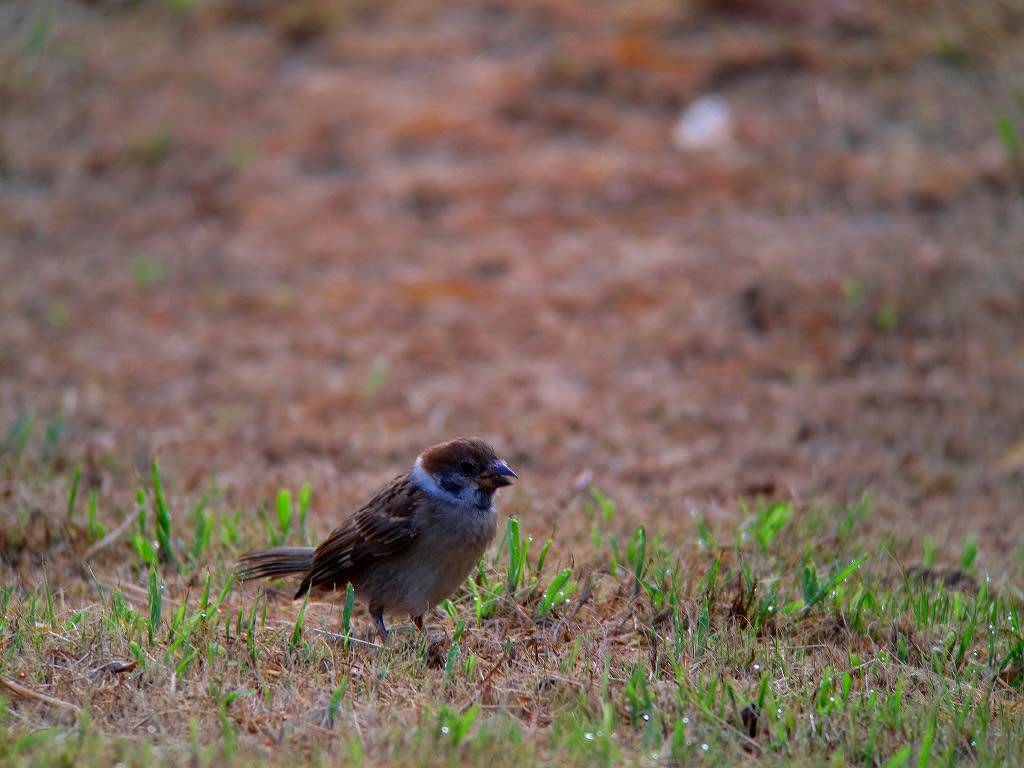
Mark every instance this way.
x=465 y=470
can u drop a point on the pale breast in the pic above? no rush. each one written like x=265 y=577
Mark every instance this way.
x=446 y=550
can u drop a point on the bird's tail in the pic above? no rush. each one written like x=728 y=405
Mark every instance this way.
x=275 y=561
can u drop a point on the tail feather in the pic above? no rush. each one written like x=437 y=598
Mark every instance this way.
x=274 y=562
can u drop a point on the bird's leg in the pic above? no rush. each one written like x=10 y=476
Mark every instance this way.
x=418 y=621
x=378 y=621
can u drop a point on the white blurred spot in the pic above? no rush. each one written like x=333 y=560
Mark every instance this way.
x=705 y=124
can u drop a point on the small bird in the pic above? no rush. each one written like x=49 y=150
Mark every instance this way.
x=412 y=544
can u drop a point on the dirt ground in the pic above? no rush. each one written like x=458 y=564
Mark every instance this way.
x=288 y=242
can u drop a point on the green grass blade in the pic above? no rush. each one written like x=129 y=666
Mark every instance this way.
x=73 y=492
x=162 y=519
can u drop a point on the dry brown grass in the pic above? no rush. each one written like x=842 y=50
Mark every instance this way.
x=719 y=652
x=302 y=244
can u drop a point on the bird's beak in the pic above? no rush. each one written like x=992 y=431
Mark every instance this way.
x=498 y=475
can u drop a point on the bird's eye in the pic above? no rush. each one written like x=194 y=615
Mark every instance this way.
x=466 y=467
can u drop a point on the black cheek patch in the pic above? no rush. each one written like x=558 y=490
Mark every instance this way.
x=450 y=484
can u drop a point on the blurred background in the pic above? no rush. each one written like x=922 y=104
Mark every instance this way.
x=683 y=252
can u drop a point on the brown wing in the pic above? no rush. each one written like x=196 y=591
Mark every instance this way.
x=385 y=526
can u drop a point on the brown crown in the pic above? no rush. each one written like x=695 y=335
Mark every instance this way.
x=448 y=456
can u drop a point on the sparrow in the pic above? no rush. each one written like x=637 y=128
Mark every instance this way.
x=412 y=545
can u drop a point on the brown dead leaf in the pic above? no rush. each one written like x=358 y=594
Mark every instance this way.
x=426 y=291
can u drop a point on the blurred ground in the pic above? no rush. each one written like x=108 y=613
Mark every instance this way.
x=283 y=242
